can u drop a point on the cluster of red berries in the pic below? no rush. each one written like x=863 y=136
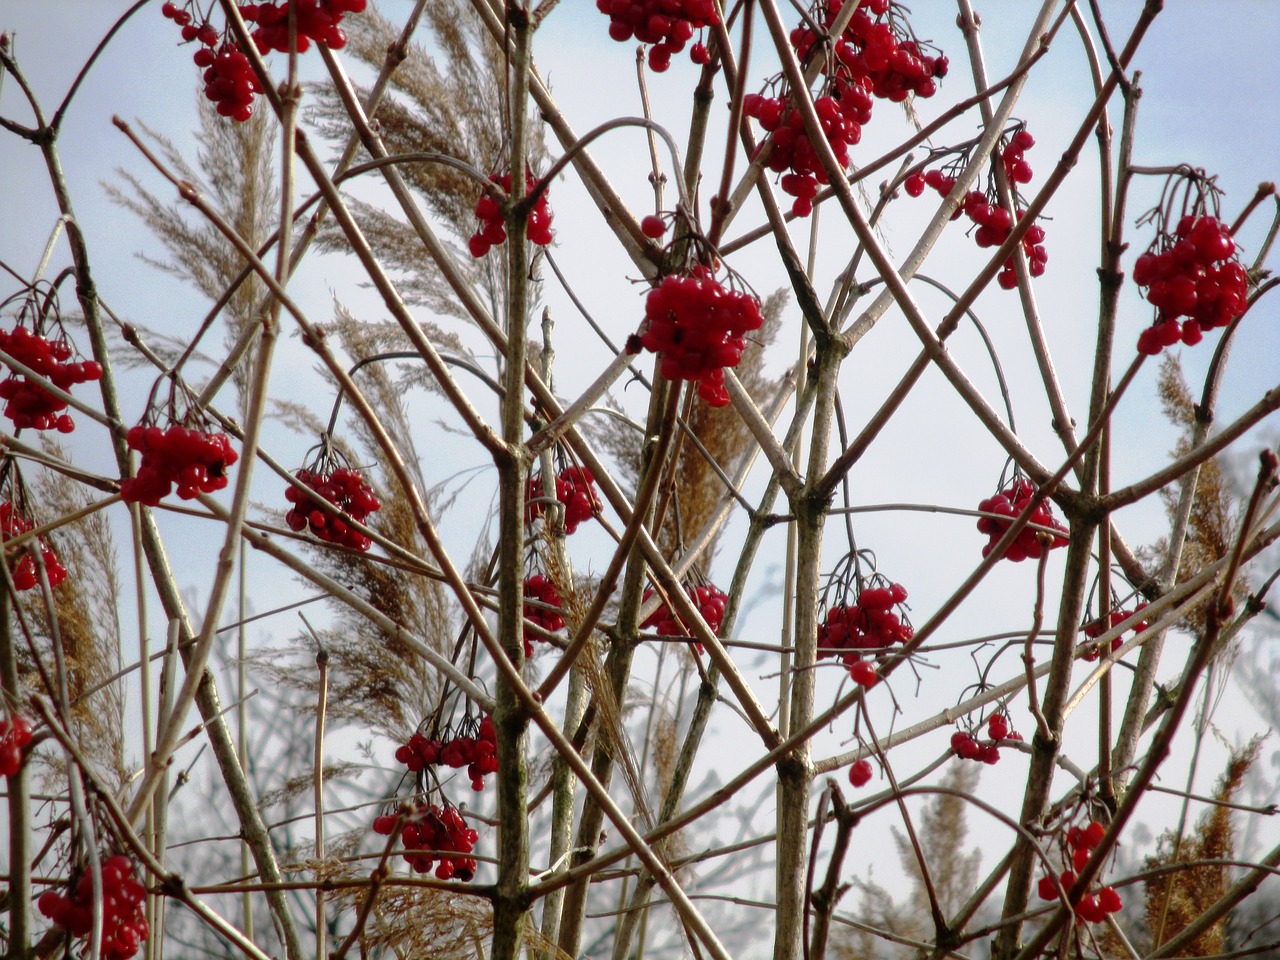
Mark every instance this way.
x=1097 y=627
x=967 y=747
x=860 y=773
x=1092 y=908
x=229 y=80
x=868 y=623
x=666 y=24
x=345 y=489
x=877 y=55
x=540 y=588
x=994 y=222
x=195 y=460
x=792 y=153
x=476 y=749
x=124 y=921
x=204 y=32
x=708 y=598
x=318 y=20
x=15 y=734
x=493 y=232
x=1010 y=502
x=1012 y=155
x=27 y=403
x=877 y=51
x=575 y=488
x=1195 y=274
x=23 y=567
x=696 y=326
x=441 y=830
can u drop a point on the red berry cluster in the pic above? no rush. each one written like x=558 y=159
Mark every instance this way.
x=23 y=567
x=792 y=153
x=667 y=24
x=877 y=52
x=345 y=489
x=124 y=921
x=440 y=829
x=15 y=733
x=179 y=15
x=493 y=232
x=967 y=747
x=1096 y=628
x=1195 y=274
x=994 y=222
x=205 y=32
x=1012 y=156
x=229 y=80
x=860 y=773
x=195 y=460
x=876 y=56
x=696 y=326
x=868 y=623
x=1092 y=908
x=1010 y=502
x=708 y=598
x=478 y=752
x=28 y=404
x=575 y=488
x=540 y=588
x=318 y=20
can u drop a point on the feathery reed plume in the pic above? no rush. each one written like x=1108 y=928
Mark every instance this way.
x=85 y=606
x=374 y=679
x=446 y=100
x=235 y=170
x=1191 y=888
x=1210 y=528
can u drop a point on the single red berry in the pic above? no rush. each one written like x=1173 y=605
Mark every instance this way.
x=653 y=227
x=864 y=673
x=1109 y=900
x=860 y=773
x=1093 y=834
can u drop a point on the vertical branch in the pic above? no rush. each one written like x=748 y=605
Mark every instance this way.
x=1028 y=649
x=1106 y=786
x=1044 y=749
x=563 y=783
x=317 y=775
x=242 y=725
x=150 y=832
x=828 y=895
x=663 y=401
x=795 y=770
x=18 y=788
x=510 y=723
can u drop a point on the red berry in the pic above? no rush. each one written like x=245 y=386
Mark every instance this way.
x=864 y=673
x=1109 y=900
x=1093 y=834
x=860 y=773
x=653 y=227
